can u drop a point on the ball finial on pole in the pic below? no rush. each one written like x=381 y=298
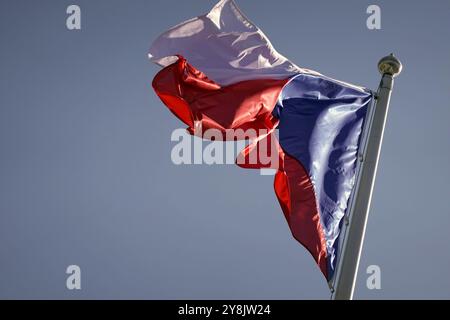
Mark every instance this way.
x=390 y=65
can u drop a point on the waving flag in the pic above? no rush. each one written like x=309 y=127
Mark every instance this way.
x=221 y=72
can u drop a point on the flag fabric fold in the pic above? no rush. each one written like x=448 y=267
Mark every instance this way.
x=221 y=72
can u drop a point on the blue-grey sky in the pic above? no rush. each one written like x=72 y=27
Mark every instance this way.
x=86 y=176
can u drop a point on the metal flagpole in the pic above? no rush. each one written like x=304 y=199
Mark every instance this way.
x=344 y=284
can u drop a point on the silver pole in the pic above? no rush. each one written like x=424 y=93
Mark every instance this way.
x=352 y=243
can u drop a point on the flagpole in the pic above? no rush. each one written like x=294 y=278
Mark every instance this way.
x=344 y=283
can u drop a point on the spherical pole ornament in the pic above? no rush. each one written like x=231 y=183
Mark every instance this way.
x=390 y=65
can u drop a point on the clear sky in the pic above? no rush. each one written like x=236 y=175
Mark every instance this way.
x=86 y=176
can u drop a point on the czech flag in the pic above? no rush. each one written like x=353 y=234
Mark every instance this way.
x=221 y=72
